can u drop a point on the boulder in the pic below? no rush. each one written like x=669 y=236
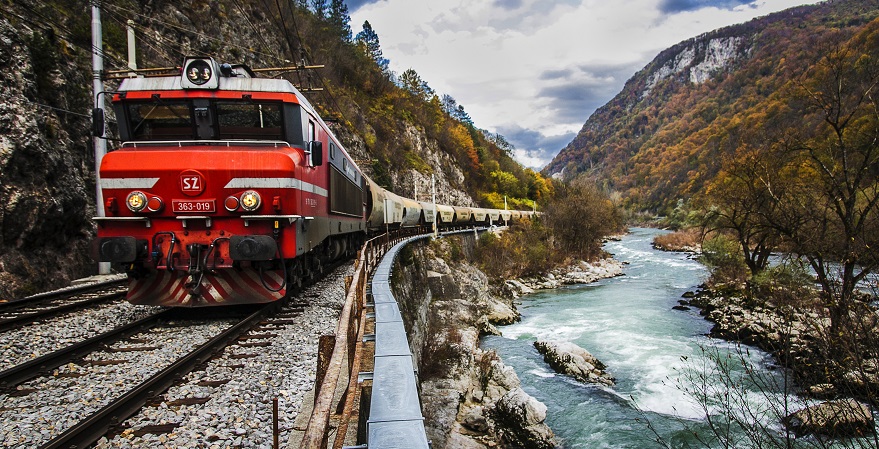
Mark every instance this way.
x=570 y=359
x=501 y=313
x=842 y=418
x=443 y=286
x=521 y=421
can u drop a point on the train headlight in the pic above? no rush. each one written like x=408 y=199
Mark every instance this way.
x=198 y=72
x=136 y=201
x=250 y=201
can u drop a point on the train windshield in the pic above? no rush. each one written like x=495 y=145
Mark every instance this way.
x=259 y=121
x=203 y=119
x=161 y=121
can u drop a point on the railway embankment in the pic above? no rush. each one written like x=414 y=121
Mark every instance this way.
x=470 y=398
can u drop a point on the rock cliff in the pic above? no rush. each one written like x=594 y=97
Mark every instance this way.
x=46 y=160
x=470 y=398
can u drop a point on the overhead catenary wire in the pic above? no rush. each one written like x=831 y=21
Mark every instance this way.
x=119 y=12
x=120 y=15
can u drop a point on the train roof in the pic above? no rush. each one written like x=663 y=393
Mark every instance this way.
x=170 y=83
x=233 y=78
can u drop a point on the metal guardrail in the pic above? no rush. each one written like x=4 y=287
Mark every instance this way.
x=395 y=418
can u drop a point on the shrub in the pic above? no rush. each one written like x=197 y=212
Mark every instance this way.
x=684 y=240
x=723 y=256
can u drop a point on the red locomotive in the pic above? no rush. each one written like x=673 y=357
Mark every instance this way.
x=230 y=189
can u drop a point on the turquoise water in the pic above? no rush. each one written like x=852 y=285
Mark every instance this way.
x=653 y=351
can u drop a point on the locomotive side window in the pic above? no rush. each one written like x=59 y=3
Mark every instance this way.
x=161 y=121
x=253 y=121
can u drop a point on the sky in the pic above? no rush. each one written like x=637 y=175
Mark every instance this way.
x=535 y=70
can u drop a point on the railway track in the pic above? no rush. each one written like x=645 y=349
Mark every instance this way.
x=50 y=396
x=79 y=400
x=20 y=312
x=96 y=425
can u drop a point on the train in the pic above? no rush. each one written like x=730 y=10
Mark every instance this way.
x=228 y=188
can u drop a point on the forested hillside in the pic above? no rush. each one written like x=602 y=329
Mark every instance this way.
x=663 y=138
x=396 y=127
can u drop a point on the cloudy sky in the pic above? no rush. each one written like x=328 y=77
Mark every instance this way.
x=534 y=70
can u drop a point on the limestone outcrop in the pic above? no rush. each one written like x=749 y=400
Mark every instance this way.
x=578 y=273
x=572 y=360
x=842 y=418
x=471 y=399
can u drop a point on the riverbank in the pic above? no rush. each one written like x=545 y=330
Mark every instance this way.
x=797 y=333
x=471 y=399
x=787 y=319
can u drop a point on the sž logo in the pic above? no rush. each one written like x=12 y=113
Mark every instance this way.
x=191 y=183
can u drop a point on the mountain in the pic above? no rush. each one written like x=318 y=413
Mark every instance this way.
x=663 y=137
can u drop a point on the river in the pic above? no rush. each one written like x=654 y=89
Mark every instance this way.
x=654 y=352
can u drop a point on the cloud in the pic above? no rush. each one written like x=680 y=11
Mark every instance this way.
x=573 y=94
x=535 y=70
x=533 y=148
x=676 y=6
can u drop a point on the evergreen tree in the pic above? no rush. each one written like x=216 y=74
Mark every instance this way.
x=411 y=81
x=450 y=105
x=369 y=39
x=319 y=7
x=340 y=19
x=462 y=116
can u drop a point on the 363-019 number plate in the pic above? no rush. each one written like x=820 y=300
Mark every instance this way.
x=193 y=206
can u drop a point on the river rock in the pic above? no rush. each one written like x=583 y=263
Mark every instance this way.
x=521 y=418
x=842 y=418
x=568 y=358
x=518 y=288
x=501 y=313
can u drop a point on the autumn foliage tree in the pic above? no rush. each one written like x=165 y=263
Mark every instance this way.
x=812 y=188
x=832 y=219
x=579 y=216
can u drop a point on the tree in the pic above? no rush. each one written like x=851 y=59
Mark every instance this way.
x=740 y=202
x=411 y=81
x=449 y=104
x=340 y=19
x=832 y=219
x=462 y=116
x=579 y=216
x=502 y=143
x=369 y=40
x=319 y=7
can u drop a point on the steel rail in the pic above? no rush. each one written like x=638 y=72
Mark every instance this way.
x=32 y=368
x=7 y=323
x=58 y=294
x=95 y=426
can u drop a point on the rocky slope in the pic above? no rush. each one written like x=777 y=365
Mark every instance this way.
x=470 y=398
x=46 y=163
x=663 y=137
